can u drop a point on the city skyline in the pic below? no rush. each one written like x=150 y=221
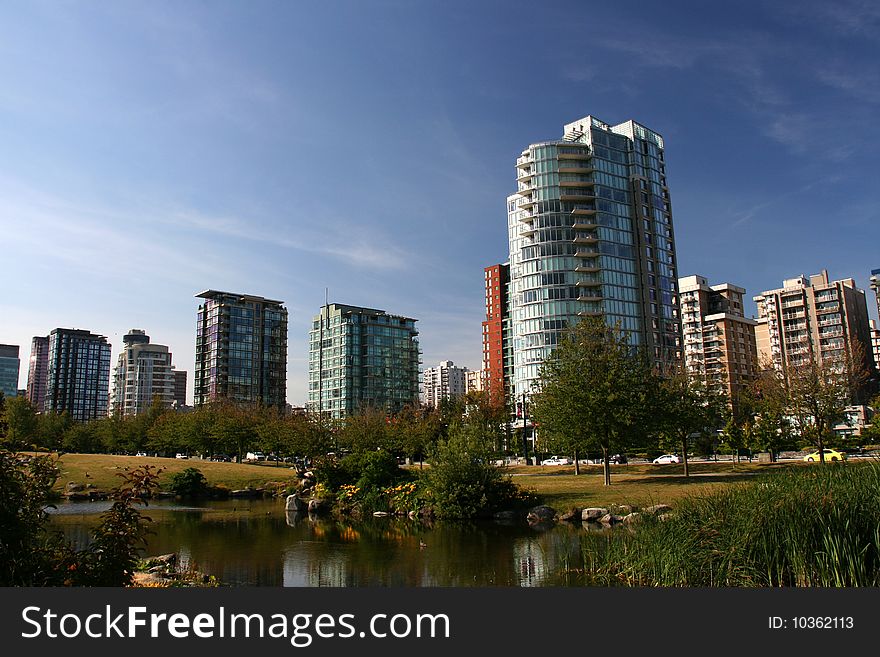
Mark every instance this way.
x=147 y=158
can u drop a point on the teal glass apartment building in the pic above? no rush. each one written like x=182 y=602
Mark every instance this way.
x=9 y=369
x=591 y=234
x=241 y=350
x=362 y=358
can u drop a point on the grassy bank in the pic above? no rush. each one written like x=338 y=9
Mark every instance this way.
x=102 y=470
x=802 y=526
x=639 y=485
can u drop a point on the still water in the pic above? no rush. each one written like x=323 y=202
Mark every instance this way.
x=256 y=543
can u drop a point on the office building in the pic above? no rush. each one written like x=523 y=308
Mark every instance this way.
x=179 y=388
x=362 y=358
x=144 y=376
x=241 y=350
x=9 y=369
x=78 y=378
x=497 y=364
x=719 y=341
x=814 y=318
x=445 y=381
x=591 y=234
x=38 y=371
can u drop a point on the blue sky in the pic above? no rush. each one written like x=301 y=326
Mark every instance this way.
x=151 y=150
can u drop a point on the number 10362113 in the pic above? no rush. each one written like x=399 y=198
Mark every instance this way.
x=811 y=623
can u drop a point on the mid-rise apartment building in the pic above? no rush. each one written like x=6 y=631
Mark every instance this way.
x=497 y=362
x=38 y=371
x=78 y=374
x=445 y=381
x=719 y=341
x=144 y=376
x=9 y=369
x=475 y=380
x=590 y=232
x=362 y=358
x=875 y=286
x=814 y=318
x=241 y=350
x=875 y=341
x=179 y=388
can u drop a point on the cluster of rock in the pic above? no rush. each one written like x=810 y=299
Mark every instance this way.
x=162 y=571
x=624 y=514
x=76 y=491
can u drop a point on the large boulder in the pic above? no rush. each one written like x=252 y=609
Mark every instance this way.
x=572 y=515
x=296 y=504
x=632 y=518
x=610 y=519
x=593 y=513
x=541 y=513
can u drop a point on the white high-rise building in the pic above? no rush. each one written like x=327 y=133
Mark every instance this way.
x=590 y=234
x=444 y=382
x=144 y=375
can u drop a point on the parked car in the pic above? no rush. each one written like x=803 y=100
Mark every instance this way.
x=180 y=455
x=141 y=454
x=666 y=458
x=830 y=455
x=255 y=456
x=557 y=460
x=617 y=458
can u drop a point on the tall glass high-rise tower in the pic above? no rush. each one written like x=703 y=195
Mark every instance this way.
x=590 y=233
x=241 y=350
x=78 y=374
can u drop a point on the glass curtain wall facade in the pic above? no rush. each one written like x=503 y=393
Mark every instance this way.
x=241 y=350
x=591 y=234
x=9 y=369
x=362 y=358
x=79 y=374
x=38 y=371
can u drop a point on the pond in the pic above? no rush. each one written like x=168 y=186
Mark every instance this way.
x=257 y=543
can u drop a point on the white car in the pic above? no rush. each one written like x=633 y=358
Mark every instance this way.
x=666 y=458
x=141 y=454
x=181 y=456
x=557 y=460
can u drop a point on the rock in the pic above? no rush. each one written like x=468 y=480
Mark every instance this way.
x=295 y=503
x=663 y=517
x=541 y=513
x=73 y=487
x=632 y=518
x=169 y=559
x=658 y=509
x=623 y=509
x=572 y=515
x=593 y=513
x=306 y=483
x=309 y=475
x=380 y=514
x=316 y=505
x=244 y=492
x=610 y=519
x=412 y=515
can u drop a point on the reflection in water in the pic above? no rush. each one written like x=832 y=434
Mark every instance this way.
x=267 y=546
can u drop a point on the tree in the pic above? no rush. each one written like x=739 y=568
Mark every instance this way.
x=21 y=422
x=819 y=390
x=594 y=391
x=687 y=406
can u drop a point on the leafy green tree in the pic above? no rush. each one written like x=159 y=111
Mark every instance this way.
x=595 y=392
x=189 y=482
x=21 y=422
x=367 y=431
x=734 y=436
x=51 y=429
x=687 y=407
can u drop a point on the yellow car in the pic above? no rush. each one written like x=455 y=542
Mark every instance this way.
x=830 y=455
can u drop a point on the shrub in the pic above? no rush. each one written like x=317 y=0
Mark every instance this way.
x=189 y=483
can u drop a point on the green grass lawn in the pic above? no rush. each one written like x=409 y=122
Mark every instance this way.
x=102 y=471
x=639 y=485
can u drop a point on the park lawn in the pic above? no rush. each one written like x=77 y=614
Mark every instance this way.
x=102 y=470
x=638 y=485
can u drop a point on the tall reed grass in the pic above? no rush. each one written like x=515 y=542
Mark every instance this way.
x=807 y=526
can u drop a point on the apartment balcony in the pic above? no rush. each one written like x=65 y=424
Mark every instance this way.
x=529 y=232
x=523 y=162
x=575 y=156
x=590 y=297
x=588 y=283
x=525 y=175
x=585 y=239
x=586 y=253
x=834 y=308
x=564 y=167
x=584 y=224
x=529 y=202
x=583 y=208
x=587 y=269
x=574 y=193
